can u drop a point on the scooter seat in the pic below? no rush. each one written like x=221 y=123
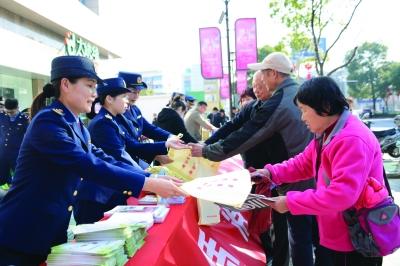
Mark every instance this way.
x=384 y=133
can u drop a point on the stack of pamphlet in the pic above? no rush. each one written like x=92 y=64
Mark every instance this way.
x=159 y=212
x=107 y=253
x=133 y=235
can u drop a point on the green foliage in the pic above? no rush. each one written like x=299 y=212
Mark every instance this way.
x=267 y=49
x=389 y=77
x=295 y=15
x=369 y=72
x=307 y=21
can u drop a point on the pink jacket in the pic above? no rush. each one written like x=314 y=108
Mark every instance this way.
x=350 y=155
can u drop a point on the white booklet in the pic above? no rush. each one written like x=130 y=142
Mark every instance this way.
x=229 y=189
x=159 y=212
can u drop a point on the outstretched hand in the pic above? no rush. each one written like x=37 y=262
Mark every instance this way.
x=197 y=149
x=176 y=143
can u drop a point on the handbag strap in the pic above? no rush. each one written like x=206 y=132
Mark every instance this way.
x=387 y=185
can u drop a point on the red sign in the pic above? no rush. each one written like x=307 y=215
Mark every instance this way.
x=245 y=42
x=210 y=53
x=224 y=87
x=241 y=81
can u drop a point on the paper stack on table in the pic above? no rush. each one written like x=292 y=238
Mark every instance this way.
x=107 y=253
x=159 y=212
x=229 y=189
x=132 y=235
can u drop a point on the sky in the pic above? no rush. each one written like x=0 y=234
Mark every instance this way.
x=163 y=34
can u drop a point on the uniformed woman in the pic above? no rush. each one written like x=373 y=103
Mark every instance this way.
x=138 y=124
x=114 y=139
x=55 y=156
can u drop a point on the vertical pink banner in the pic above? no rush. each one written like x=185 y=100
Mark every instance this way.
x=241 y=81
x=245 y=42
x=210 y=53
x=224 y=87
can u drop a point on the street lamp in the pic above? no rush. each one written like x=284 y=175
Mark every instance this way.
x=226 y=15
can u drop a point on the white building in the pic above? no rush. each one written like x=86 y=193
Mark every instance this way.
x=32 y=33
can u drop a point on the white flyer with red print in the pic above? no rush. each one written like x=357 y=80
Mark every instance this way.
x=229 y=189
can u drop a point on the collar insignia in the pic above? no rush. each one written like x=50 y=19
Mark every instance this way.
x=58 y=111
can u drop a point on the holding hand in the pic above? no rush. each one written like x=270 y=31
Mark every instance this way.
x=197 y=149
x=279 y=204
x=176 y=143
x=174 y=179
x=260 y=175
x=163 y=187
x=163 y=159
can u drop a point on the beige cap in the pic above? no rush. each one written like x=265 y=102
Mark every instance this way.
x=277 y=61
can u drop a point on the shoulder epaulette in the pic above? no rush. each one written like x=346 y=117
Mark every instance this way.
x=58 y=111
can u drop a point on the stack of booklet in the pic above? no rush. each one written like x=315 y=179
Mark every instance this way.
x=159 y=212
x=132 y=235
x=107 y=253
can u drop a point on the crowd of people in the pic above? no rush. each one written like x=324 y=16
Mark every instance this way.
x=302 y=141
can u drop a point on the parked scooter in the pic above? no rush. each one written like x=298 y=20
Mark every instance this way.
x=390 y=139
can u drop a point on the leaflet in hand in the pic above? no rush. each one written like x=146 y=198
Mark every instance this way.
x=253 y=201
x=229 y=188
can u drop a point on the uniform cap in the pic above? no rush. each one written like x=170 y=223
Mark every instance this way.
x=71 y=66
x=133 y=80
x=112 y=86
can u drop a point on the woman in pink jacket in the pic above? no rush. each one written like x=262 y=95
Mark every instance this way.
x=343 y=156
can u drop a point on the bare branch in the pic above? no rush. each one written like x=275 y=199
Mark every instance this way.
x=316 y=46
x=353 y=54
x=343 y=29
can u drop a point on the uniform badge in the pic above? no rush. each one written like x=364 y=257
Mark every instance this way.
x=108 y=116
x=58 y=111
x=139 y=80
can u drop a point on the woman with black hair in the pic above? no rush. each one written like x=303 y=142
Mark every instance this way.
x=171 y=119
x=109 y=131
x=344 y=157
x=55 y=156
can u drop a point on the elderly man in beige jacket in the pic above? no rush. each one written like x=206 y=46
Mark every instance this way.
x=194 y=121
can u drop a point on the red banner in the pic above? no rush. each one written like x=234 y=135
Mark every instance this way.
x=245 y=42
x=210 y=53
x=224 y=87
x=181 y=241
x=241 y=81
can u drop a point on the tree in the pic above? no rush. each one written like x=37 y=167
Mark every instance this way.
x=267 y=49
x=366 y=69
x=389 y=76
x=308 y=21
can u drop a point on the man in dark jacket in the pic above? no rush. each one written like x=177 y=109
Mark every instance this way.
x=271 y=132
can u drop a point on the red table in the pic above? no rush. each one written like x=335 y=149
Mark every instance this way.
x=181 y=241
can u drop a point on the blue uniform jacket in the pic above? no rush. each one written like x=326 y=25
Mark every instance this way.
x=137 y=149
x=107 y=135
x=54 y=157
x=142 y=127
x=12 y=133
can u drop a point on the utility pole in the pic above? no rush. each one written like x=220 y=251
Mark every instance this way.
x=229 y=58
